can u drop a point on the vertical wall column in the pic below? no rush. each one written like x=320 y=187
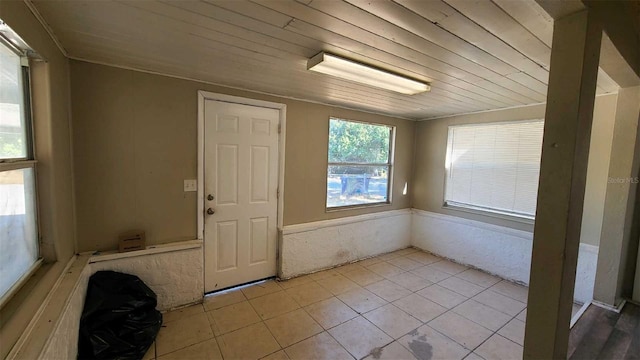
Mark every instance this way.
x=636 y=234
x=616 y=241
x=563 y=171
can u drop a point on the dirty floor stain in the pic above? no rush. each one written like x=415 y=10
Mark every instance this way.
x=421 y=348
x=376 y=353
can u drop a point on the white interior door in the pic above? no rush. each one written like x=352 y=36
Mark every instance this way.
x=240 y=193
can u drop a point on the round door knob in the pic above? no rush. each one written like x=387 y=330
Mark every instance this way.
x=210 y=211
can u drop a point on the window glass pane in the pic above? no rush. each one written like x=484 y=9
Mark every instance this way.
x=356 y=185
x=18 y=242
x=495 y=166
x=354 y=142
x=12 y=125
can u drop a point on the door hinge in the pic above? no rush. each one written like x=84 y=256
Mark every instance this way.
x=278 y=193
x=279 y=128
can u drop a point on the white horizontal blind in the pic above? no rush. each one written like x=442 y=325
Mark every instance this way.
x=495 y=166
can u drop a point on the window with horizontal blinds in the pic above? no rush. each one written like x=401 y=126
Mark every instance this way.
x=494 y=166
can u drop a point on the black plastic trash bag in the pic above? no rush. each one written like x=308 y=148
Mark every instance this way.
x=119 y=319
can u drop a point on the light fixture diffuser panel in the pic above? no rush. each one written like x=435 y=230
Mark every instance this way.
x=350 y=70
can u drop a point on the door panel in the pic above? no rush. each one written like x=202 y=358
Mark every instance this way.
x=227 y=175
x=259 y=174
x=227 y=124
x=259 y=240
x=227 y=236
x=241 y=174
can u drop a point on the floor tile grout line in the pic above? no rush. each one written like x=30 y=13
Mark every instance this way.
x=297 y=342
x=219 y=346
x=459 y=292
x=338 y=342
x=213 y=336
x=386 y=302
x=426 y=323
x=489 y=289
x=469 y=298
x=362 y=314
x=444 y=335
x=496 y=333
x=390 y=303
x=475 y=348
x=299 y=308
x=264 y=322
x=485 y=288
x=439 y=332
x=475 y=322
x=358 y=315
x=374 y=325
x=487 y=339
x=512 y=283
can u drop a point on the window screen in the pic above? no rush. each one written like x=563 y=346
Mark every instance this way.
x=494 y=166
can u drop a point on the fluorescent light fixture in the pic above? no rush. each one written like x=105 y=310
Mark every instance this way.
x=354 y=71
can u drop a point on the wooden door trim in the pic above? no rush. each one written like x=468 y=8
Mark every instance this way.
x=282 y=108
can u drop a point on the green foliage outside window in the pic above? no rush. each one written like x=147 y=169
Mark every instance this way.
x=11 y=146
x=359 y=163
x=353 y=142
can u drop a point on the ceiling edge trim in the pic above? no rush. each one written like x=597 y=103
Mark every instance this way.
x=46 y=26
x=180 y=77
x=500 y=109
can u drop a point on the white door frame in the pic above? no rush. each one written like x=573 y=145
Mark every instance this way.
x=202 y=97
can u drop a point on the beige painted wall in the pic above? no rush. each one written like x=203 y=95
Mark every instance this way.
x=604 y=114
x=50 y=89
x=431 y=145
x=135 y=143
x=629 y=258
x=634 y=287
x=616 y=260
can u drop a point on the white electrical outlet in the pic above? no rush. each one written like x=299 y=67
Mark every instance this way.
x=190 y=185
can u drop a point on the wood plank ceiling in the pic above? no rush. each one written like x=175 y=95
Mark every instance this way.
x=478 y=55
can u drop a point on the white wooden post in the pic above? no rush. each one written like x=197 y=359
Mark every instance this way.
x=570 y=99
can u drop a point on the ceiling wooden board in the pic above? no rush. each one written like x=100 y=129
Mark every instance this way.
x=477 y=54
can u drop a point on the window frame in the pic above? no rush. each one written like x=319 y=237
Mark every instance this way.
x=389 y=164
x=477 y=209
x=27 y=162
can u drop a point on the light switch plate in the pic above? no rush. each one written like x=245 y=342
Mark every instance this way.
x=190 y=185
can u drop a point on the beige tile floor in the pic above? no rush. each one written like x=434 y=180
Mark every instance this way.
x=407 y=304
